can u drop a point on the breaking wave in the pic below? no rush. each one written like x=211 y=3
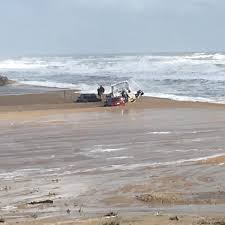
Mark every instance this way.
x=52 y=84
x=182 y=77
x=185 y=98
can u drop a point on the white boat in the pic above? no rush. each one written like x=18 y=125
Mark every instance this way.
x=122 y=89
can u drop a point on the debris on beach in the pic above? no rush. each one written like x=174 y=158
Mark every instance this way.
x=80 y=210
x=174 y=218
x=219 y=223
x=51 y=194
x=111 y=214
x=34 y=191
x=167 y=198
x=41 y=202
x=68 y=211
x=6 y=188
x=56 y=180
x=112 y=223
x=35 y=216
x=160 y=198
x=157 y=213
x=2 y=220
x=210 y=222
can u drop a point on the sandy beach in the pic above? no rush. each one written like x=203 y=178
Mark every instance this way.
x=112 y=112
x=67 y=163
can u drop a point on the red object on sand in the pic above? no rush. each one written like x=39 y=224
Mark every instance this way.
x=118 y=101
x=115 y=101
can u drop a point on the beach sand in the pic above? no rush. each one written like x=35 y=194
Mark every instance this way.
x=141 y=220
x=147 y=161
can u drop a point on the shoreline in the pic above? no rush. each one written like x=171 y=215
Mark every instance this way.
x=28 y=106
x=65 y=100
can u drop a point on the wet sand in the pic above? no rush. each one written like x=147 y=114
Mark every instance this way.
x=155 y=219
x=155 y=155
x=15 y=88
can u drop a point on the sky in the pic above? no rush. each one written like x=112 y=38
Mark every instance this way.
x=45 y=27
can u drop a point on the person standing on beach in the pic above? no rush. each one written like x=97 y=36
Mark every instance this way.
x=100 y=91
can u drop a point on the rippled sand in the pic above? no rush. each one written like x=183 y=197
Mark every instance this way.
x=167 y=159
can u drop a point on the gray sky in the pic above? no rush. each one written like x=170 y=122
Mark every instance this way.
x=110 y=26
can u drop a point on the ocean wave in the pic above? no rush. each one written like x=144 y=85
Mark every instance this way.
x=50 y=84
x=121 y=63
x=184 y=98
x=81 y=87
x=85 y=88
x=182 y=77
x=22 y=65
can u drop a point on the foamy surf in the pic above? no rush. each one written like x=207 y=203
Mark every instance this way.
x=110 y=168
x=81 y=87
x=8 y=208
x=52 y=84
x=159 y=132
x=135 y=166
x=184 y=98
x=120 y=157
x=182 y=77
x=102 y=150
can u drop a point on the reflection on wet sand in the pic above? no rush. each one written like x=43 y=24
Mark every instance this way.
x=129 y=160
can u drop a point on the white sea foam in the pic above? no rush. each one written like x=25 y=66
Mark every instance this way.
x=120 y=157
x=8 y=208
x=160 y=132
x=184 y=98
x=185 y=150
x=188 y=77
x=26 y=173
x=51 y=84
x=133 y=63
x=96 y=150
x=21 y=65
x=122 y=167
x=83 y=88
x=156 y=164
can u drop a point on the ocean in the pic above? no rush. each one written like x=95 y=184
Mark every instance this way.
x=185 y=77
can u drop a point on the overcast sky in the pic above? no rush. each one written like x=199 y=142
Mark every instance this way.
x=110 y=26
